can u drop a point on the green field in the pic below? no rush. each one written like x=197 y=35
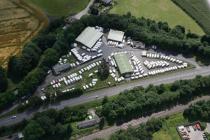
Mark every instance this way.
x=197 y=9
x=159 y=10
x=59 y=8
x=168 y=132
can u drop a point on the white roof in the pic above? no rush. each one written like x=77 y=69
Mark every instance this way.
x=89 y=37
x=116 y=35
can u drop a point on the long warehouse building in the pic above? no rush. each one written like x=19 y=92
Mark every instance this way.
x=89 y=37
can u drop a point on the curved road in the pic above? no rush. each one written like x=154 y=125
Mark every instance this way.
x=155 y=80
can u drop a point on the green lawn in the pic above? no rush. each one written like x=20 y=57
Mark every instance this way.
x=168 y=132
x=159 y=10
x=59 y=8
x=199 y=10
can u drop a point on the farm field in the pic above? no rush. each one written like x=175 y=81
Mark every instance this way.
x=159 y=10
x=169 y=132
x=59 y=8
x=197 y=9
x=18 y=24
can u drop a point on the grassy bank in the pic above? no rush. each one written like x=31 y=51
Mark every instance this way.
x=168 y=132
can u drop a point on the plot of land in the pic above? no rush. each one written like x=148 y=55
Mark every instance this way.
x=160 y=10
x=199 y=10
x=169 y=132
x=60 y=8
x=18 y=23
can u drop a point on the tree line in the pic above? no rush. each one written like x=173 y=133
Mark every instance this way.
x=48 y=125
x=141 y=101
x=198 y=111
x=142 y=132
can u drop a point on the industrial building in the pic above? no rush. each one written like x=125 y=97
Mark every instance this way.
x=57 y=69
x=89 y=37
x=124 y=66
x=116 y=36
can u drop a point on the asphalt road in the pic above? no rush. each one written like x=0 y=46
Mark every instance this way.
x=136 y=122
x=155 y=80
x=85 y=11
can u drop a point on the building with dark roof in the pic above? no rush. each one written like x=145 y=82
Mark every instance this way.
x=88 y=123
x=106 y=2
x=57 y=69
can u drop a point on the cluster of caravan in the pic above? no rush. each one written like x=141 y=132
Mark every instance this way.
x=155 y=64
x=154 y=72
x=89 y=67
x=75 y=77
x=116 y=44
x=161 y=56
x=68 y=90
x=70 y=79
x=91 y=84
x=64 y=60
x=138 y=69
x=95 y=47
x=84 y=57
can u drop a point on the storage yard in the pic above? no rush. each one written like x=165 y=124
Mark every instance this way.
x=191 y=132
x=18 y=23
x=79 y=67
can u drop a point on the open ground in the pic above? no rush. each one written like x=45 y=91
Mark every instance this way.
x=59 y=8
x=159 y=10
x=198 y=10
x=18 y=23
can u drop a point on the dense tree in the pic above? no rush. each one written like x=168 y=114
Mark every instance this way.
x=3 y=80
x=199 y=111
x=103 y=70
x=33 y=131
x=138 y=102
x=143 y=132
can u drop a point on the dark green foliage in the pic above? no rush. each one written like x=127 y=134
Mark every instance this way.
x=199 y=111
x=19 y=66
x=103 y=70
x=138 y=102
x=53 y=124
x=3 y=80
x=143 y=132
x=102 y=123
x=33 y=131
x=94 y=10
x=206 y=38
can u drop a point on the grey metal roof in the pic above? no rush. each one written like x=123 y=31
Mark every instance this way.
x=60 y=68
x=88 y=123
x=89 y=37
x=116 y=35
x=107 y=1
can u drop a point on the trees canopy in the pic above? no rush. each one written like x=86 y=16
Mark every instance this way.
x=3 y=80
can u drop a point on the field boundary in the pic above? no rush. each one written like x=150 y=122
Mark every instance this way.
x=177 y=4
